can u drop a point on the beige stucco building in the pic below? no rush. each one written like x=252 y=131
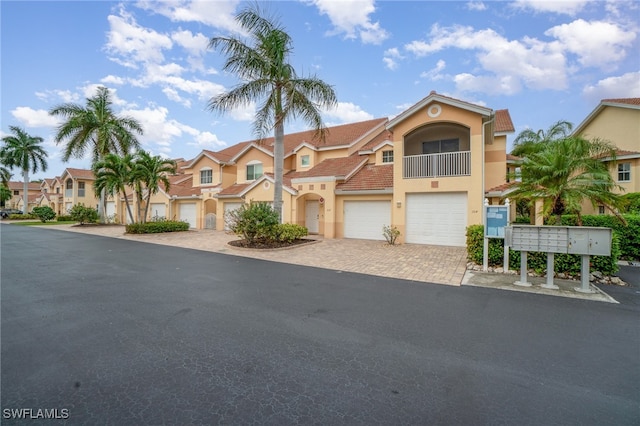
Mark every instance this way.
x=424 y=172
x=616 y=121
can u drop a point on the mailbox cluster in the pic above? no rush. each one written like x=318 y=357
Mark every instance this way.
x=560 y=239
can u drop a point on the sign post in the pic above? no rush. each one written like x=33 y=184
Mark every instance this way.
x=496 y=221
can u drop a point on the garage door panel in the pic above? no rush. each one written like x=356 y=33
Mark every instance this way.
x=365 y=219
x=188 y=214
x=228 y=207
x=158 y=210
x=437 y=218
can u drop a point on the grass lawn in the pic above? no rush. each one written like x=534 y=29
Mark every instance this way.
x=37 y=222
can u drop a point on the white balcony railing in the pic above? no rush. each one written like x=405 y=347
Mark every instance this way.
x=446 y=164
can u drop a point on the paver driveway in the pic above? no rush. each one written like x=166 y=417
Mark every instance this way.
x=434 y=264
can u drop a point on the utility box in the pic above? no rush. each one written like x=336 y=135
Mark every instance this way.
x=592 y=241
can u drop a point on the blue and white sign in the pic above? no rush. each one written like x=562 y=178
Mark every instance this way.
x=497 y=220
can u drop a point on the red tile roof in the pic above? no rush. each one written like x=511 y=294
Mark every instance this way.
x=182 y=186
x=33 y=186
x=370 y=177
x=341 y=166
x=80 y=173
x=628 y=101
x=344 y=134
x=384 y=135
x=503 y=121
x=501 y=188
x=234 y=189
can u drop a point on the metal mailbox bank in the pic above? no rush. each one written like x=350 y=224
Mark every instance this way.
x=580 y=240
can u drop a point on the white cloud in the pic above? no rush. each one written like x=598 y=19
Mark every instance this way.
x=624 y=86
x=207 y=140
x=133 y=44
x=196 y=45
x=218 y=14
x=30 y=117
x=352 y=18
x=113 y=79
x=347 y=112
x=565 y=7
x=511 y=63
x=476 y=5
x=434 y=73
x=390 y=58
x=598 y=44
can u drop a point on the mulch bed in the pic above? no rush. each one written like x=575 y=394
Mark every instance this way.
x=266 y=245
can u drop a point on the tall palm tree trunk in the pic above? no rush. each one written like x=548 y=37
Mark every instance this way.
x=278 y=160
x=102 y=206
x=25 y=188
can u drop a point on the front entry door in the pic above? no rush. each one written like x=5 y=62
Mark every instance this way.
x=312 y=216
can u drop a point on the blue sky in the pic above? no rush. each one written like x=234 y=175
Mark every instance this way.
x=544 y=61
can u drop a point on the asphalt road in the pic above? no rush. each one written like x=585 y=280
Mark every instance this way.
x=120 y=332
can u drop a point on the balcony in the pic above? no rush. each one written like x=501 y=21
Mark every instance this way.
x=447 y=164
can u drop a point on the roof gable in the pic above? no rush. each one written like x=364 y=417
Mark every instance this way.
x=435 y=97
x=629 y=103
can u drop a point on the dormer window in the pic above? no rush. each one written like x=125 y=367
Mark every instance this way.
x=305 y=161
x=387 y=156
x=254 y=170
x=206 y=176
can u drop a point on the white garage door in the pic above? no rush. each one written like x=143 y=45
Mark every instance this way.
x=111 y=208
x=158 y=210
x=439 y=219
x=227 y=208
x=188 y=213
x=365 y=219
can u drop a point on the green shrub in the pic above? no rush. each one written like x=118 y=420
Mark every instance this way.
x=631 y=203
x=157 y=227
x=522 y=220
x=565 y=263
x=82 y=214
x=253 y=221
x=44 y=213
x=288 y=232
x=27 y=216
x=64 y=218
x=391 y=234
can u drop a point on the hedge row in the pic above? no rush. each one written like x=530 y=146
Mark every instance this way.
x=157 y=227
x=565 y=263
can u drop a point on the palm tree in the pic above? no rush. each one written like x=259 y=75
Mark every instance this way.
x=5 y=195
x=564 y=173
x=149 y=172
x=113 y=175
x=95 y=128
x=24 y=151
x=5 y=174
x=528 y=141
x=271 y=81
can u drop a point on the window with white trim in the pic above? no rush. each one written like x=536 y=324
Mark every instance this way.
x=305 y=161
x=624 y=172
x=601 y=210
x=80 y=189
x=206 y=176
x=387 y=156
x=254 y=171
